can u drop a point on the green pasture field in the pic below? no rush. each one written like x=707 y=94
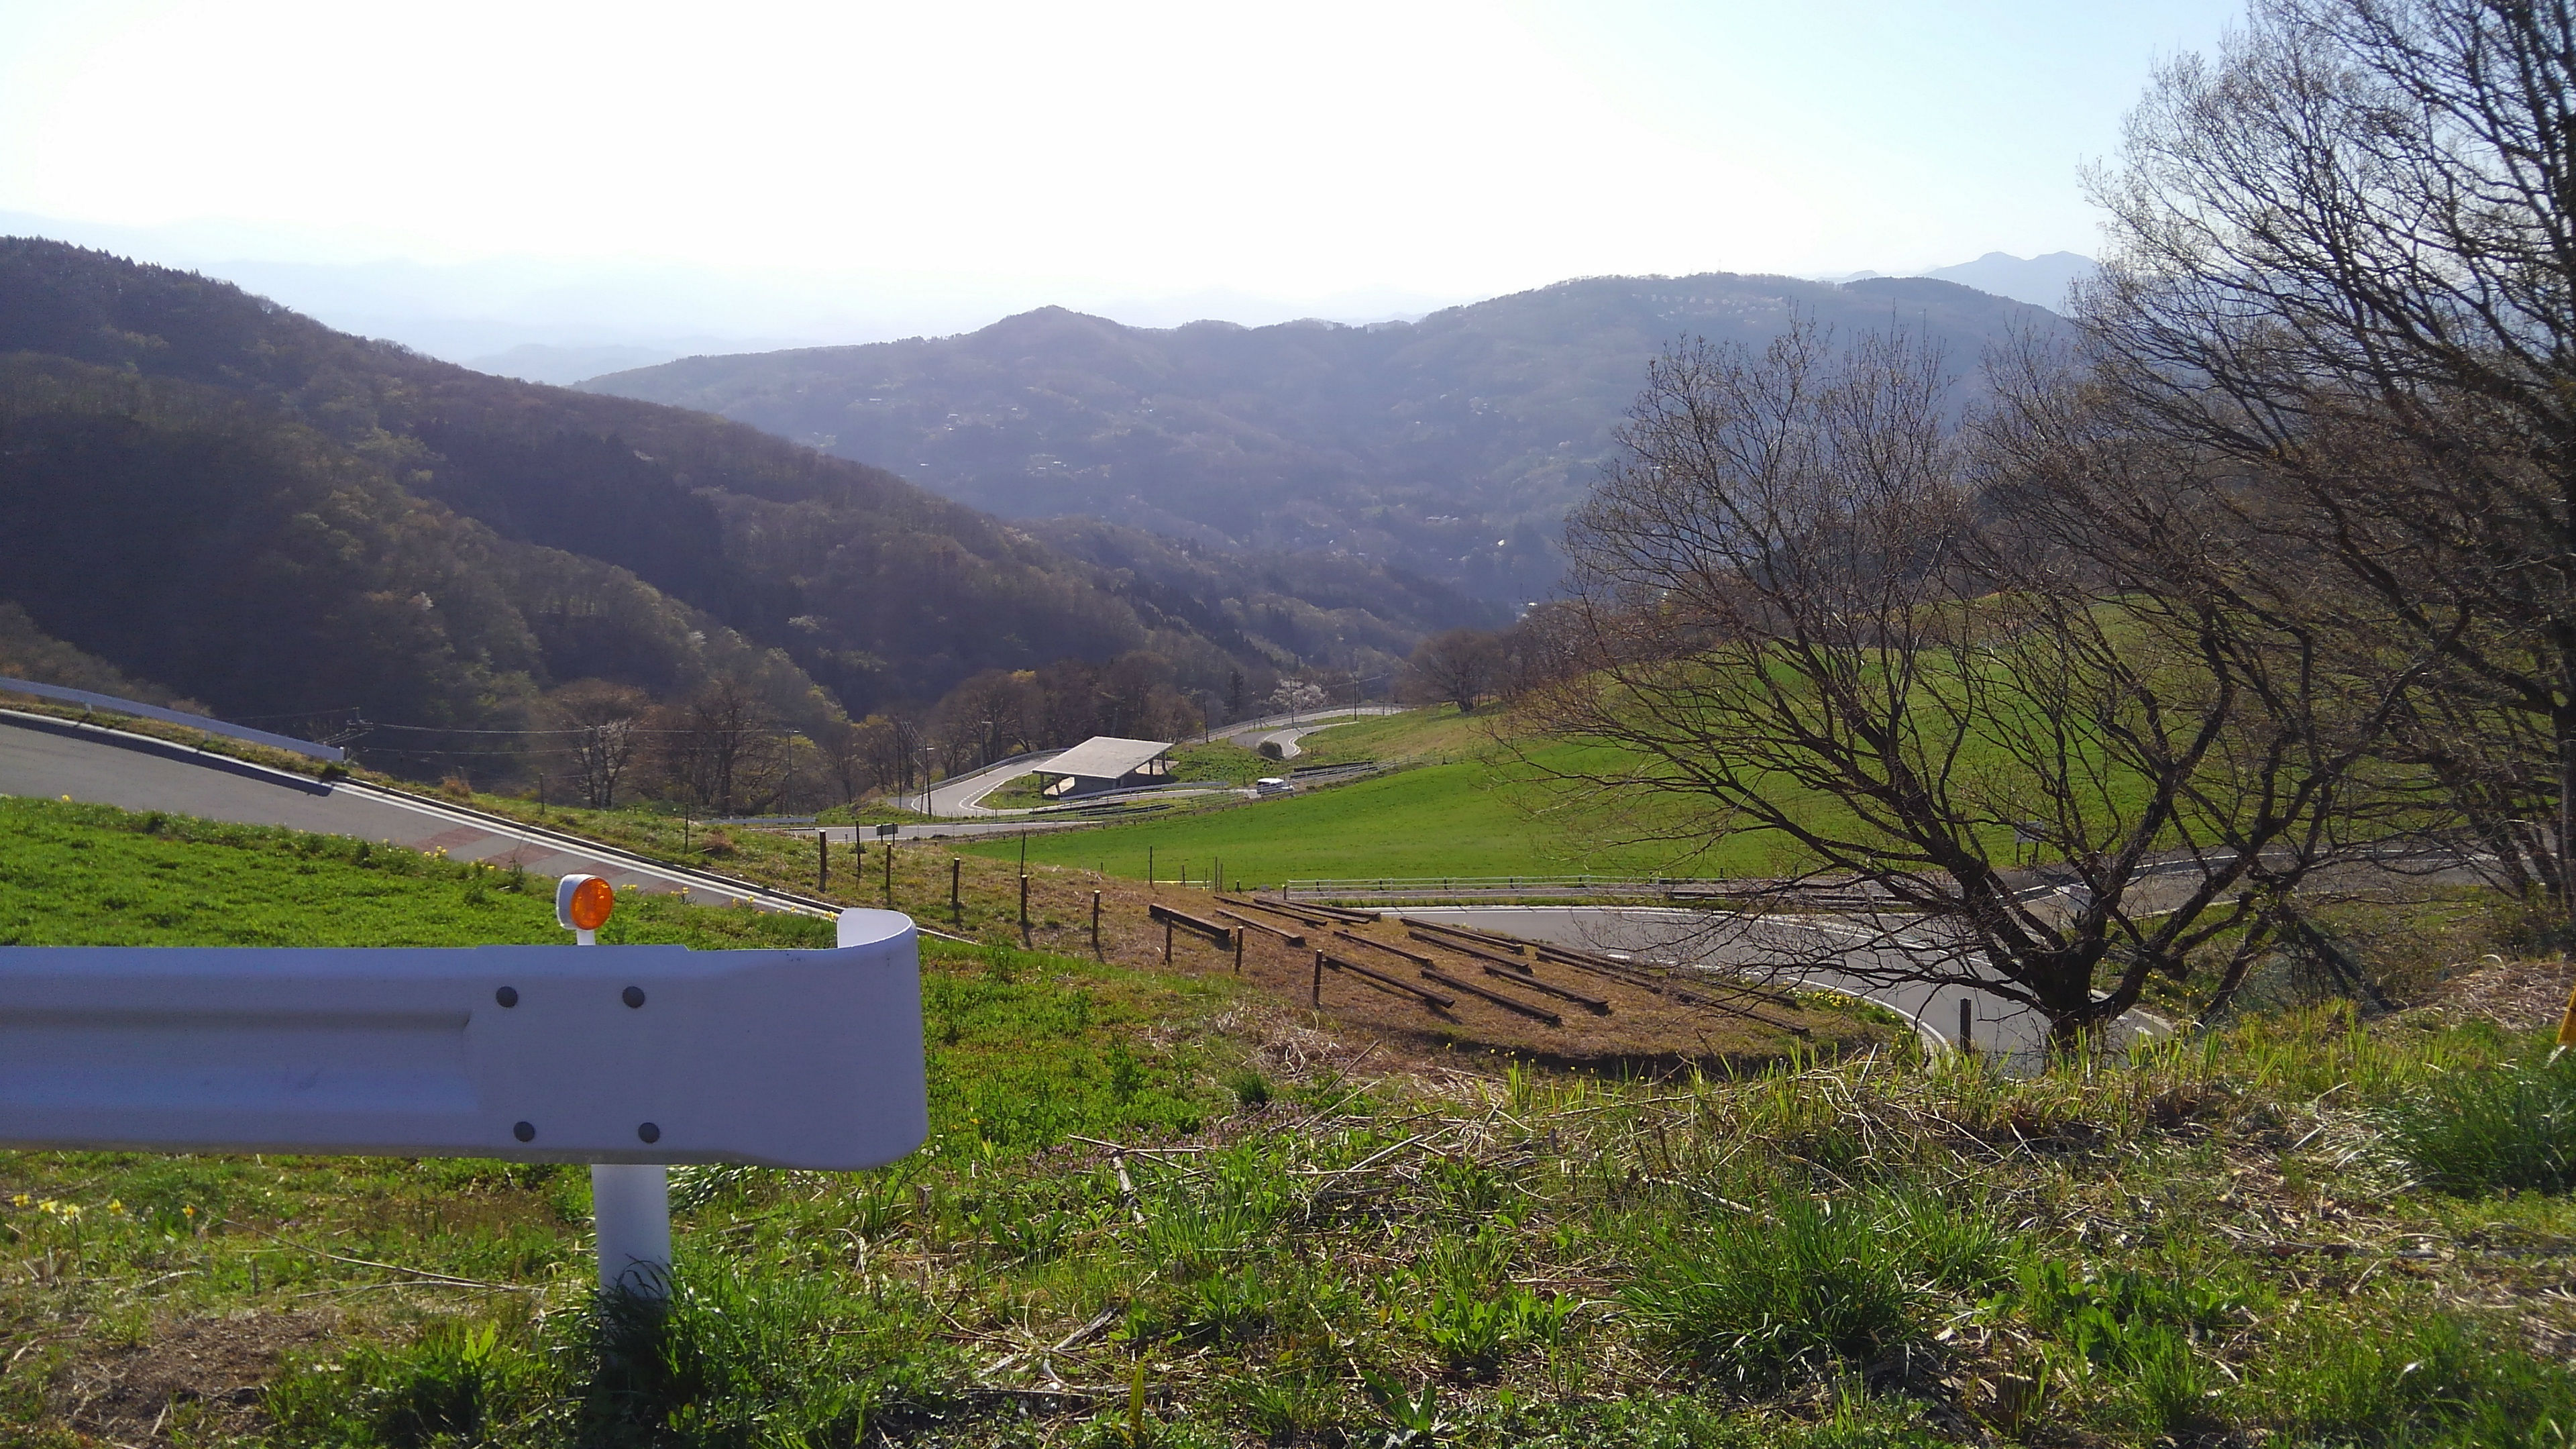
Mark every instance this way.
x=1156 y=1212
x=1454 y=803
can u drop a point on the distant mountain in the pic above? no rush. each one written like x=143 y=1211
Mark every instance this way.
x=2040 y=281
x=1451 y=447
x=204 y=489
x=564 y=366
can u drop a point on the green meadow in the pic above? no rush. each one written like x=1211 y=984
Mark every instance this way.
x=1156 y=1211
x=1454 y=801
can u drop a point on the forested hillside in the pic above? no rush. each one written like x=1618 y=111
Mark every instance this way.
x=219 y=495
x=1451 y=447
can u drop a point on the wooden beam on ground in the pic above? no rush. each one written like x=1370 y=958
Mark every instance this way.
x=1265 y=928
x=1301 y=917
x=1384 y=981
x=1338 y=913
x=1416 y=957
x=1486 y=938
x=1593 y=1004
x=1508 y=1003
x=1165 y=915
x=1642 y=977
x=1465 y=949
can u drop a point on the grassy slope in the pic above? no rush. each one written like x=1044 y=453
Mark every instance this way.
x=2215 y=1246
x=1457 y=805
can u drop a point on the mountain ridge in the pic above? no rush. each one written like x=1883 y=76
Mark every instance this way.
x=521 y=498
x=1450 y=447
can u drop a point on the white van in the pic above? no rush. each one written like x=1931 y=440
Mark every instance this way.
x=1272 y=785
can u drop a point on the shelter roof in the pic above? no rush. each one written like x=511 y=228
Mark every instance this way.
x=1105 y=757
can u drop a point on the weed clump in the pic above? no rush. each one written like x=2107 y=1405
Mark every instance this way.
x=2481 y=1129
x=1799 y=1285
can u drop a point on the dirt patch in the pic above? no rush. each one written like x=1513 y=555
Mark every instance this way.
x=1643 y=1030
x=2515 y=995
x=204 y=1373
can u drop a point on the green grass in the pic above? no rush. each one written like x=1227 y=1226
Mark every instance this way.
x=1463 y=818
x=1454 y=802
x=1220 y=762
x=2479 y=1129
x=2216 y=1244
x=94 y=875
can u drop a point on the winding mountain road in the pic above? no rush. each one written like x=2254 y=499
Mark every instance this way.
x=53 y=758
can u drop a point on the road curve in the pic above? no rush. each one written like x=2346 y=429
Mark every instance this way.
x=51 y=758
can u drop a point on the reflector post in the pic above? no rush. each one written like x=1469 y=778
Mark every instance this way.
x=582 y=905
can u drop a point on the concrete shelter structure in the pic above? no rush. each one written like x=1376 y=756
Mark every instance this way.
x=1106 y=762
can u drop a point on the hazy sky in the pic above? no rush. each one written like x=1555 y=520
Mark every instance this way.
x=1293 y=150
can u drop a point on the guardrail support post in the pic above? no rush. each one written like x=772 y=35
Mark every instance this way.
x=1095 y=923
x=1967 y=1018
x=632 y=1206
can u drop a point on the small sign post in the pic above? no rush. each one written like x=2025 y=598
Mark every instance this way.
x=630 y=1202
x=622 y=1057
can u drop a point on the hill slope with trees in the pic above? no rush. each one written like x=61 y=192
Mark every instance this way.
x=220 y=495
x=1451 y=447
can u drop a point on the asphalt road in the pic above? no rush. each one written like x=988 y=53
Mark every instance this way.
x=38 y=758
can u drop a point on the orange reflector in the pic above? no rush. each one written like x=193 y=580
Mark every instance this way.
x=592 y=900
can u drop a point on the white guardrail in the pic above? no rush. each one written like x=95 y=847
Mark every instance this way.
x=91 y=700
x=625 y=1057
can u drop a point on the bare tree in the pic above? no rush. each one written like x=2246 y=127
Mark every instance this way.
x=989 y=716
x=600 y=721
x=841 y=749
x=893 y=748
x=1458 y=666
x=1799 y=616
x=2343 y=255
x=721 y=748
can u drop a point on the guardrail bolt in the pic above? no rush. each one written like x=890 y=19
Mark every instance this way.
x=507 y=996
x=649 y=1132
x=632 y=996
x=525 y=1131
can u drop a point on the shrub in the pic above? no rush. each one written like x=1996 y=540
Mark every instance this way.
x=1805 y=1283
x=1250 y=1088
x=2473 y=1131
